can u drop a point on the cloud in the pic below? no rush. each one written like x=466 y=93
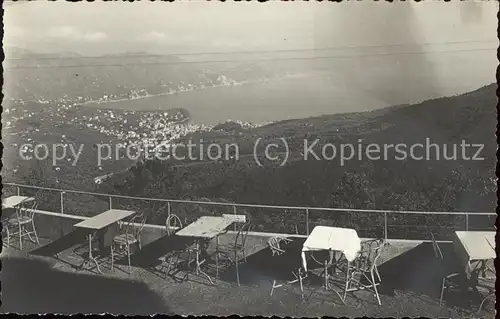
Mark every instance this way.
x=72 y=33
x=95 y=36
x=154 y=36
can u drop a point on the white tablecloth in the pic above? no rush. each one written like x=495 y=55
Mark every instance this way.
x=474 y=246
x=345 y=240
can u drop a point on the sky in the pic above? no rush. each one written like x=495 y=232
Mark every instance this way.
x=200 y=26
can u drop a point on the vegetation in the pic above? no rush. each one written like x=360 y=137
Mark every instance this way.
x=421 y=185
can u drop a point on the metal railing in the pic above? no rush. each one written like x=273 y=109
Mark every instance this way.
x=304 y=209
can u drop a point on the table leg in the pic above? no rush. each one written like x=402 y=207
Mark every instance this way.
x=90 y=253
x=90 y=257
x=198 y=270
x=326 y=273
x=197 y=258
x=334 y=260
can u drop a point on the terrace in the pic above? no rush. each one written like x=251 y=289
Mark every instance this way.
x=44 y=278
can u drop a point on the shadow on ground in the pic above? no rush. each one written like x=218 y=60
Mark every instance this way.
x=149 y=255
x=420 y=272
x=32 y=286
x=261 y=268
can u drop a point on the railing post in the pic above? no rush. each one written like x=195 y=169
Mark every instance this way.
x=168 y=210
x=110 y=203
x=307 y=221
x=234 y=213
x=385 y=226
x=466 y=222
x=62 y=203
x=18 y=191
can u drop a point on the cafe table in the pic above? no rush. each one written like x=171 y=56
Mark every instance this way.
x=98 y=223
x=332 y=239
x=475 y=249
x=14 y=201
x=204 y=229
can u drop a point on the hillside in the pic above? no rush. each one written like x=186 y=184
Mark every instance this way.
x=426 y=185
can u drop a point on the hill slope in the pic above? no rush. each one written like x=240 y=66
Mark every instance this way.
x=427 y=185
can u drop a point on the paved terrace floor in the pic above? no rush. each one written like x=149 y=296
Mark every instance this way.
x=33 y=281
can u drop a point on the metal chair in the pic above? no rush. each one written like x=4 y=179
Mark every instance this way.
x=365 y=267
x=240 y=246
x=21 y=219
x=130 y=234
x=486 y=281
x=238 y=249
x=333 y=261
x=451 y=275
x=172 y=224
x=298 y=273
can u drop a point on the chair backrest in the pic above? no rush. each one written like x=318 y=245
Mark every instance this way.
x=173 y=224
x=371 y=250
x=483 y=273
x=28 y=211
x=274 y=244
x=28 y=208
x=142 y=221
x=37 y=197
x=241 y=236
x=135 y=225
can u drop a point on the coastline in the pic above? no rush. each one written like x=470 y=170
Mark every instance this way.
x=196 y=88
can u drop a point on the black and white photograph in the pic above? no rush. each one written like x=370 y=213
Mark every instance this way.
x=277 y=158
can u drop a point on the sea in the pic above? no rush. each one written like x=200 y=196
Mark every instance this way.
x=365 y=84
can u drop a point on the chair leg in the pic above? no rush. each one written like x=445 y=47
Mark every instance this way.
x=8 y=235
x=347 y=282
x=128 y=257
x=375 y=288
x=34 y=231
x=272 y=288
x=190 y=253
x=442 y=292
x=20 y=237
x=237 y=270
x=377 y=273
x=325 y=272
x=301 y=286
x=166 y=271
x=216 y=264
x=169 y=266
x=112 y=257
